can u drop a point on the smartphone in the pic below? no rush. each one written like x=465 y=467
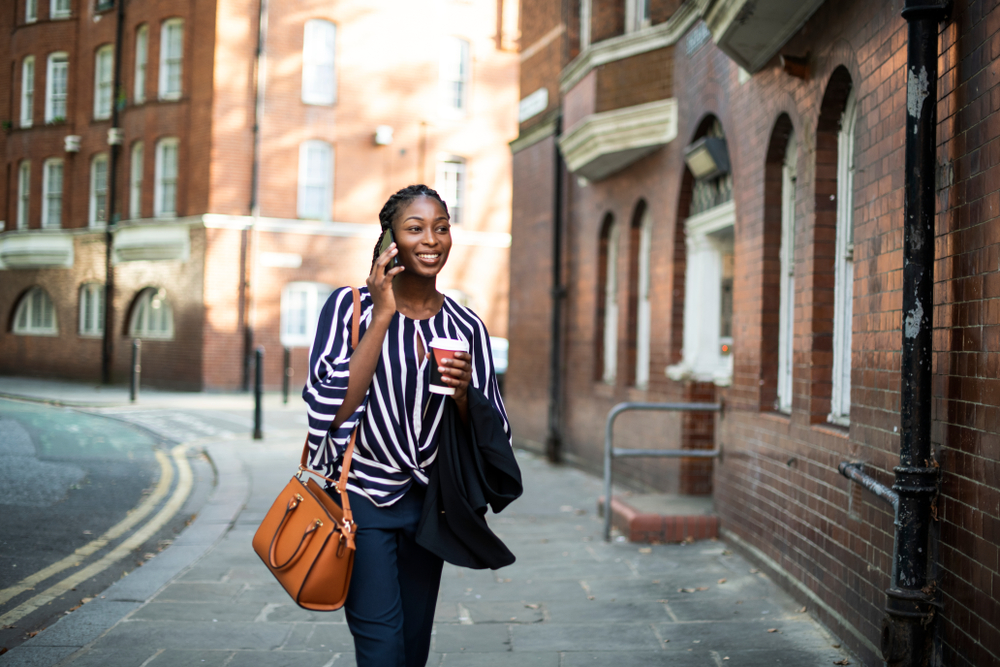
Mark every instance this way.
x=387 y=240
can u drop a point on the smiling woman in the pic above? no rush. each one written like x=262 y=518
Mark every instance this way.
x=383 y=390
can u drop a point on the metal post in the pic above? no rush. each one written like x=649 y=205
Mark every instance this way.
x=907 y=638
x=286 y=378
x=258 y=393
x=136 y=375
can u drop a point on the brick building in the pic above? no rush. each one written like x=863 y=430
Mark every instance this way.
x=729 y=210
x=237 y=190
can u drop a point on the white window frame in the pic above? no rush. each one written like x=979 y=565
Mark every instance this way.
x=709 y=238
x=135 y=171
x=60 y=9
x=643 y=311
x=152 y=316
x=52 y=197
x=454 y=51
x=637 y=15
x=98 y=209
x=165 y=179
x=171 y=62
x=843 y=288
x=103 y=81
x=301 y=303
x=56 y=95
x=315 y=183
x=23 y=193
x=36 y=315
x=610 y=333
x=30 y=11
x=450 y=182
x=91 y=309
x=319 y=71
x=141 y=61
x=786 y=281
x=27 y=91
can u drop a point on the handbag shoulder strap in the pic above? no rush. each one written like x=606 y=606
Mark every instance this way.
x=341 y=484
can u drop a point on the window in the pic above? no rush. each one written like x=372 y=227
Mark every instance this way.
x=27 y=91
x=454 y=74
x=642 y=319
x=300 y=307
x=315 y=180
x=35 y=314
x=52 y=190
x=786 y=282
x=30 y=11
x=23 y=193
x=92 y=309
x=56 y=81
x=636 y=15
x=165 y=195
x=103 y=81
x=99 y=190
x=141 y=58
x=171 y=58
x=607 y=301
x=843 y=290
x=451 y=186
x=135 y=182
x=585 y=11
x=319 y=77
x=152 y=316
x=59 y=9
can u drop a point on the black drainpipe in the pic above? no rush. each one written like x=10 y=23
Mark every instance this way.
x=553 y=441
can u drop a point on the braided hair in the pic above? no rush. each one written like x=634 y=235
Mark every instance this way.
x=392 y=208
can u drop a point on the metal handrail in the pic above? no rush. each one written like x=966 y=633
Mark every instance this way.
x=611 y=452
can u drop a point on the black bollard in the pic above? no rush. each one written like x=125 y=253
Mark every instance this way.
x=133 y=390
x=258 y=393
x=288 y=376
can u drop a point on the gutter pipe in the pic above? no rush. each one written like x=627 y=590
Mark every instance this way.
x=553 y=440
x=108 y=340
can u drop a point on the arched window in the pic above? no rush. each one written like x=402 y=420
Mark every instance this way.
x=786 y=281
x=56 y=87
x=35 y=314
x=92 y=309
x=606 y=333
x=103 y=81
x=301 y=304
x=141 y=60
x=843 y=268
x=637 y=341
x=27 y=91
x=319 y=73
x=171 y=58
x=152 y=316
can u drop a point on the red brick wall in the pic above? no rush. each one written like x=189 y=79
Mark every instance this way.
x=647 y=77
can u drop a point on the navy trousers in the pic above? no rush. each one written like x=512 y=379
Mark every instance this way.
x=394 y=585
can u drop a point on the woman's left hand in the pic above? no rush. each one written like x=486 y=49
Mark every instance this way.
x=457 y=373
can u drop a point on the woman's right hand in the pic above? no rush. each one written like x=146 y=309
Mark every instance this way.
x=380 y=284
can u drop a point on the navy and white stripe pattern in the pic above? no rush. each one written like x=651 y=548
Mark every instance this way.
x=399 y=418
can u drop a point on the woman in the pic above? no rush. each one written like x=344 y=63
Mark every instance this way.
x=382 y=389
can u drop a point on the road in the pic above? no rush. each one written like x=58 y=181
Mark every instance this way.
x=88 y=494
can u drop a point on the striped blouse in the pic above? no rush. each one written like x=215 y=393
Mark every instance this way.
x=399 y=418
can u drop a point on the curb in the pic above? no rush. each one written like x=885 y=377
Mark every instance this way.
x=72 y=632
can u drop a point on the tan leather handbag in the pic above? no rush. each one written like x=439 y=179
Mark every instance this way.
x=306 y=540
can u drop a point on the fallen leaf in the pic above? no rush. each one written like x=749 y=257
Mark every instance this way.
x=702 y=588
x=656 y=581
x=76 y=607
x=685 y=590
x=645 y=550
x=722 y=581
x=772 y=629
x=835 y=645
x=666 y=641
x=8 y=627
x=754 y=570
x=590 y=597
x=33 y=633
x=531 y=606
x=85 y=600
x=802 y=610
x=845 y=661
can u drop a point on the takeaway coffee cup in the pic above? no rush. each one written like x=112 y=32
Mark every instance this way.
x=444 y=348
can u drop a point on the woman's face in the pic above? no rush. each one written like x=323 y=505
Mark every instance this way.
x=423 y=237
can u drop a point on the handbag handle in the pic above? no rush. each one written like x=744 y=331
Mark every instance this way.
x=292 y=504
x=341 y=484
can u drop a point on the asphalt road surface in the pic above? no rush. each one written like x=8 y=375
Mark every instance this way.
x=84 y=499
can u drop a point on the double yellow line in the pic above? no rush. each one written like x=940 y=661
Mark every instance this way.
x=134 y=541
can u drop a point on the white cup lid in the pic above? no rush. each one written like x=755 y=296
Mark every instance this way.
x=450 y=344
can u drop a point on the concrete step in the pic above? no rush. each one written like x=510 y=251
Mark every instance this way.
x=655 y=518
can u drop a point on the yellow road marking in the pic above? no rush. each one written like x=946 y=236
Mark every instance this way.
x=113 y=533
x=184 y=484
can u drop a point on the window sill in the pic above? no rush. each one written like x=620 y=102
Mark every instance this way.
x=45 y=334
x=832 y=429
x=170 y=97
x=91 y=336
x=314 y=103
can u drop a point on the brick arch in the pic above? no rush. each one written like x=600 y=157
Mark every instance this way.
x=607 y=225
x=133 y=304
x=770 y=278
x=823 y=246
x=632 y=315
